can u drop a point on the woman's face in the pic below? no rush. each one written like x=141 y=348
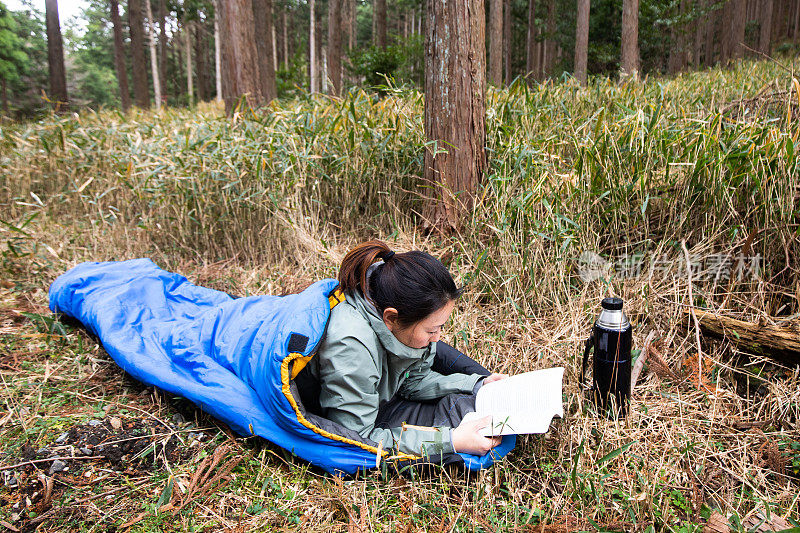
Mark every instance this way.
x=422 y=333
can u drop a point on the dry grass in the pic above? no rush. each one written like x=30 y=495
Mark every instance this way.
x=265 y=204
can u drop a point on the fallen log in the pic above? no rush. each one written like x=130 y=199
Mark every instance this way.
x=781 y=343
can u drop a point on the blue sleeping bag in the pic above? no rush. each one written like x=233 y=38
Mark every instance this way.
x=235 y=358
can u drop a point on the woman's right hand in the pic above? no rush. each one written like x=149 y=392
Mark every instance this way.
x=467 y=439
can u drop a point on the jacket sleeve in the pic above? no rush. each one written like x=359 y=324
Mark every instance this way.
x=348 y=396
x=422 y=383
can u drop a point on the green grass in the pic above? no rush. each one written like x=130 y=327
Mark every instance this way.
x=260 y=203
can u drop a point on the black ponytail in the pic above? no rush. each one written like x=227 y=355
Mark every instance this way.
x=415 y=283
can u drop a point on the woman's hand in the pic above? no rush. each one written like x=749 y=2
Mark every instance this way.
x=467 y=439
x=494 y=377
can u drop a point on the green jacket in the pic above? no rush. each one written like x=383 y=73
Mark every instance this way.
x=360 y=365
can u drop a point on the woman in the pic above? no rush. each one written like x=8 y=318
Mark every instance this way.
x=381 y=367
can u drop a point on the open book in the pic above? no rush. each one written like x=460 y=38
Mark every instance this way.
x=525 y=403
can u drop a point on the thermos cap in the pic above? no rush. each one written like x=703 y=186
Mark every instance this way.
x=612 y=304
x=612 y=317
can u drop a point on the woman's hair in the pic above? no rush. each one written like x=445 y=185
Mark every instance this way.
x=415 y=283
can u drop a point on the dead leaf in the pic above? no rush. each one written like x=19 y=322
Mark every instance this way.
x=758 y=523
x=8 y=526
x=115 y=422
x=716 y=524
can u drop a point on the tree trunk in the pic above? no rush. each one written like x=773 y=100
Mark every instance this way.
x=217 y=53
x=380 y=23
x=55 y=58
x=629 y=64
x=312 y=48
x=550 y=42
x=239 y=58
x=582 y=42
x=321 y=82
x=780 y=343
x=531 y=58
x=151 y=34
x=187 y=40
x=348 y=31
x=496 y=42
x=779 y=10
x=677 y=51
x=274 y=44
x=335 y=45
x=277 y=37
x=141 y=91
x=711 y=28
x=119 y=57
x=699 y=36
x=507 y=31
x=796 y=23
x=262 y=12
x=765 y=30
x=200 y=49
x=352 y=26
x=724 y=31
x=324 y=70
x=455 y=109
x=737 y=27
x=285 y=42
x=162 y=45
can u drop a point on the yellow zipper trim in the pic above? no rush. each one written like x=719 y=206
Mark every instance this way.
x=286 y=380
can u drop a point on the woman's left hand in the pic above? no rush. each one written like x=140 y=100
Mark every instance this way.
x=494 y=377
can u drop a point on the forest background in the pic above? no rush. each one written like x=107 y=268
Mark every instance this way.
x=384 y=39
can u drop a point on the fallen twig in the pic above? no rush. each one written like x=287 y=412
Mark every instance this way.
x=50 y=459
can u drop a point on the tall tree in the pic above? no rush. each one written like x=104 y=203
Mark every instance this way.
x=141 y=92
x=349 y=22
x=796 y=31
x=55 y=57
x=151 y=34
x=496 y=42
x=262 y=11
x=678 y=57
x=737 y=27
x=217 y=52
x=119 y=57
x=312 y=47
x=380 y=23
x=508 y=30
x=162 y=44
x=240 y=71
x=187 y=43
x=200 y=51
x=455 y=109
x=582 y=41
x=549 y=45
x=710 y=31
x=285 y=41
x=699 y=36
x=274 y=42
x=531 y=50
x=335 y=45
x=629 y=64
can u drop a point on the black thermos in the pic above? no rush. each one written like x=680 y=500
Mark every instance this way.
x=611 y=376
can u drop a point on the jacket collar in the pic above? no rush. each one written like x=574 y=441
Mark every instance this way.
x=386 y=337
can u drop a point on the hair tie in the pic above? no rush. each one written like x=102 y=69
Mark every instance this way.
x=388 y=255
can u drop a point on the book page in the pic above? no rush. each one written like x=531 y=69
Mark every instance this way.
x=525 y=403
